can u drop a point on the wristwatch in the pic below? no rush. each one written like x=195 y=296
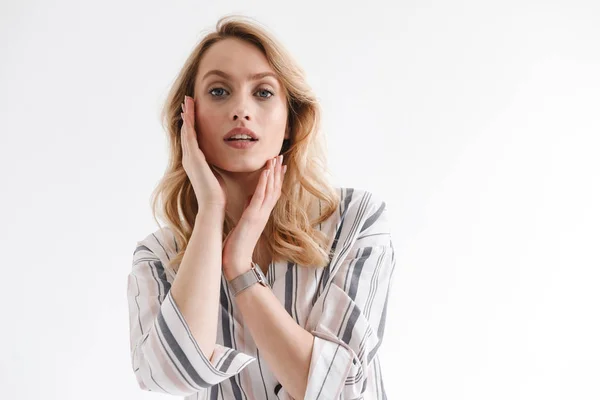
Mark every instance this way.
x=247 y=279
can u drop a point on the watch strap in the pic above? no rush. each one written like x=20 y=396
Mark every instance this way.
x=247 y=279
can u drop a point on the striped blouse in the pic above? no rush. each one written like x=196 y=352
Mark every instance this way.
x=344 y=306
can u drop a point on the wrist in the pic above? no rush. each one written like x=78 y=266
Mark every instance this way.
x=210 y=213
x=248 y=279
x=232 y=271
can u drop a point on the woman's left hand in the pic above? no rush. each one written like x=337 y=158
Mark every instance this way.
x=239 y=245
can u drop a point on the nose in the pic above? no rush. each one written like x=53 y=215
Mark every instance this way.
x=240 y=110
x=246 y=117
x=241 y=114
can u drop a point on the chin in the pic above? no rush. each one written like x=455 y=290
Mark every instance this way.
x=241 y=165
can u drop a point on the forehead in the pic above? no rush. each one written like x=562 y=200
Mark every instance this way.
x=234 y=56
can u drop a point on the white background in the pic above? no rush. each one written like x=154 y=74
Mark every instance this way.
x=477 y=121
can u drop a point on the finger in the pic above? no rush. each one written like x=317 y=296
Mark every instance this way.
x=190 y=116
x=271 y=180
x=190 y=111
x=282 y=178
x=279 y=173
x=190 y=108
x=274 y=193
x=187 y=130
x=259 y=192
x=183 y=137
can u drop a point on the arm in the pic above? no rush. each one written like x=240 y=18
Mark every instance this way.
x=196 y=288
x=285 y=345
x=348 y=322
x=332 y=356
x=173 y=327
x=348 y=318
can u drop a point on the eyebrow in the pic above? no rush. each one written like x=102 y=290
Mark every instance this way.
x=225 y=75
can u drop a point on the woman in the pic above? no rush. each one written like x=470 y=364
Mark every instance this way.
x=268 y=283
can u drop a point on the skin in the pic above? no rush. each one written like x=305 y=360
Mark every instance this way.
x=219 y=105
x=224 y=103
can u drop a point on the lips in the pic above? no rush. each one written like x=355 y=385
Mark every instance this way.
x=240 y=130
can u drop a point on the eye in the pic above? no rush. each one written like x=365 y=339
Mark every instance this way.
x=216 y=88
x=218 y=93
x=265 y=91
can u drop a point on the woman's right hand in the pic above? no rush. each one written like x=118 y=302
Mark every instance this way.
x=208 y=185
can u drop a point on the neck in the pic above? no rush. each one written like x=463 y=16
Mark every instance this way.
x=240 y=186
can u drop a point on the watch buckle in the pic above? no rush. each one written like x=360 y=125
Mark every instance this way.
x=259 y=277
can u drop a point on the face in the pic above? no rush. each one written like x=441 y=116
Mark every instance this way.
x=232 y=98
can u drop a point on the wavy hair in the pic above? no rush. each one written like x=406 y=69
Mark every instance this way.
x=291 y=232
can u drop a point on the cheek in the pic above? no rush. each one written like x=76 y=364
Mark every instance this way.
x=278 y=118
x=207 y=121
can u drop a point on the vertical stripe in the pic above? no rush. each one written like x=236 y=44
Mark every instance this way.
x=261 y=373
x=289 y=281
x=228 y=335
x=383 y=312
x=350 y=326
x=214 y=392
x=381 y=328
x=374 y=287
x=138 y=304
x=356 y=272
x=356 y=222
x=296 y=292
x=343 y=319
x=343 y=210
x=328 y=370
x=352 y=310
x=162 y=287
x=291 y=290
x=162 y=276
x=351 y=235
x=179 y=354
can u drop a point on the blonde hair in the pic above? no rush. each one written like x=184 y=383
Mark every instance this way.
x=290 y=233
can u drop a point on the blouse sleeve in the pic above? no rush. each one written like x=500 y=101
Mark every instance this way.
x=348 y=317
x=164 y=354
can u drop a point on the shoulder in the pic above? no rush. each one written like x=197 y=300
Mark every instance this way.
x=361 y=223
x=362 y=213
x=359 y=201
x=160 y=243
